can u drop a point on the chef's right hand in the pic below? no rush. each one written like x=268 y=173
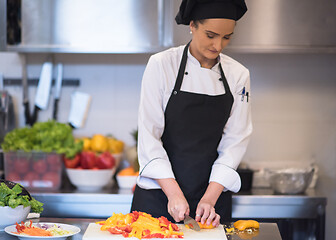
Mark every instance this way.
x=177 y=203
x=178 y=207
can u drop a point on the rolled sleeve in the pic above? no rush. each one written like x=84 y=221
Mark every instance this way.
x=235 y=139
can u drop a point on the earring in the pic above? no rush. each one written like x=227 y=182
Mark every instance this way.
x=190 y=32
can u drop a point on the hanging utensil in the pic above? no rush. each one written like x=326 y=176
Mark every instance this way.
x=80 y=103
x=25 y=89
x=58 y=86
x=43 y=90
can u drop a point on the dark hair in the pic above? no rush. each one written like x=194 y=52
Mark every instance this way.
x=199 y=21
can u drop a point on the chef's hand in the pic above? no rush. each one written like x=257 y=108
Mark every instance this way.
x=178 y=207
x=205 y=212
x=177 y=203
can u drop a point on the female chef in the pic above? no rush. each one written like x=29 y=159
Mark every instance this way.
x=194 y=119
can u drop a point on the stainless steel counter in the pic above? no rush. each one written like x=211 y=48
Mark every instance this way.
x=256 y=204
x=259 y=203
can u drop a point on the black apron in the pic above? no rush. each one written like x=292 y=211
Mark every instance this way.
x=194 y=125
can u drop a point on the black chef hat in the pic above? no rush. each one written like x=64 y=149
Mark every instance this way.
x=204 y=9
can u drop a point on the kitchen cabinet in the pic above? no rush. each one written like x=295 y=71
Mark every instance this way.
x=288 y=210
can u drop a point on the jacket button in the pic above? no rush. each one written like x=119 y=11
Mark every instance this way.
x=186 y=73
x=175 y=92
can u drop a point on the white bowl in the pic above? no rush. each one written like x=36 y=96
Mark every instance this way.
x=10 y=216
x=90 y=179
x=126 y=181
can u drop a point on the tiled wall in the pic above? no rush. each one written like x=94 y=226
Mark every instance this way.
x=293 y=97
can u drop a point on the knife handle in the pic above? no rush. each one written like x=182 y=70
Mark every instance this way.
x=55 y=110
x=34 y=116
x=27 y=112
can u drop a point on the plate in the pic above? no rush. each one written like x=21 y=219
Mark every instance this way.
x=74 y=229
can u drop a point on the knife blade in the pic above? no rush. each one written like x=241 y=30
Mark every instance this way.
x=58 y=87
x=189 y=221
x=43 y=90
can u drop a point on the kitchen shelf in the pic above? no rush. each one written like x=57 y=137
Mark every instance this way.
x=34 y=82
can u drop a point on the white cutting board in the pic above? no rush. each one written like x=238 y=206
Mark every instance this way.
x=93 y=232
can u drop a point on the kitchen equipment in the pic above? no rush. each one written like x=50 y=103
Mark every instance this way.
x=93 y=232
x=34 y=170
x=73 y=230
x=11 y=216
x=7 y=116
x=80 y=103
x=43 y=90
x=126 y=181
x=290 y=180
x=25 y=89
x=191 y=223
x=90 y=179
x=246 y=176
x=58 y=87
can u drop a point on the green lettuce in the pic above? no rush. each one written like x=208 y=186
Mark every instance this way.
x=50 y=136
x=10 y=197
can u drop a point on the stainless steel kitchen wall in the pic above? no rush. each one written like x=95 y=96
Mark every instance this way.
x=147 y=26
x=126 y=26
x=280 y=26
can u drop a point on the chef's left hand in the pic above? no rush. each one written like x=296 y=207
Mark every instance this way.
x=205 y=212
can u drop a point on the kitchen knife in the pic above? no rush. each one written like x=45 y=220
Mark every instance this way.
x=191 y=223
x=80 y=103
x=25 y=89
x=58 y=87
x=43 y=90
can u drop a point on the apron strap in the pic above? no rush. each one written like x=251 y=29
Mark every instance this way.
x=180 y=74
x=223 y=79
x=182 y=67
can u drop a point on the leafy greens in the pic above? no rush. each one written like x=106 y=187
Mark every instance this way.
x=50 y=136
x=10 y=197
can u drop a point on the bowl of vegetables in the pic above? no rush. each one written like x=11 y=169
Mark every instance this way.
x=15 y=204
x=90 y=171
x=127 y=177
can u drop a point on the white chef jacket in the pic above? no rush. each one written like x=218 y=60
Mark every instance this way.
x=157 y=85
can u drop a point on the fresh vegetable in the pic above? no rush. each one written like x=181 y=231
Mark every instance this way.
x=40 y=166
x=91 y=160
x=51 y=179
x=115 y=145
x=99 y=143
x=72 y=162
x=205 y=226
x=241 y=225
x=40 y=229
x=50 y=136
x=105 y=161
x=31 y=230
x=88 y=160
x=140 y=225
x=10 y=197
x=129 y=171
